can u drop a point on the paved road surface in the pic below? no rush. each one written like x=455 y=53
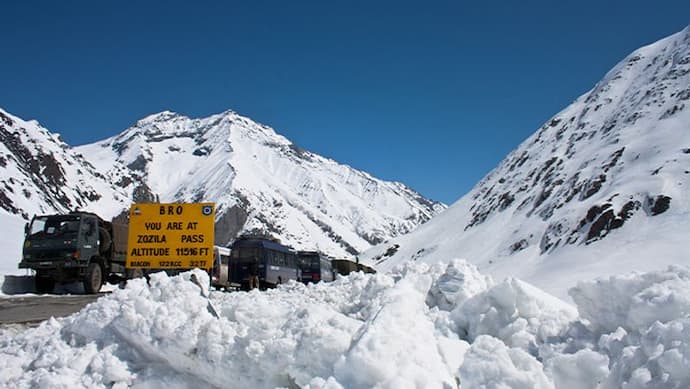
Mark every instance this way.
x=35 y=309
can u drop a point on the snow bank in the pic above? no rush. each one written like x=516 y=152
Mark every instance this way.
x=634 y=301
x=491 y=364
x=515 y=312
x=397 y=346
x=641 y=321
x=420 y=326
x=455 y=284
x=584 y=369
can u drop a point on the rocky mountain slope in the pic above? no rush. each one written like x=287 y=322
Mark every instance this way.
x=260 y=181
x=605 y=179
x=39 y=173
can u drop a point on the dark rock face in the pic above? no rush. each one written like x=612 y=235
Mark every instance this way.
x=139 y=164
x=7 y=204
x=602 y=225
x=552 y=236
x=229 y=224
x=389 y=253
x=143 y=194
x=600 y=220
x=658 y=204
x=519 y=245
x=6 y=120
x=202 y=151
x=44 y=171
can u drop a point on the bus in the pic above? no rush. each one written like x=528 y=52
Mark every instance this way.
x=274 y=262
x=346 y=266
x=315 y=267
x=220 y=272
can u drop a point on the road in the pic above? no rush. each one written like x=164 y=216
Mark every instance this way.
x=31 y=310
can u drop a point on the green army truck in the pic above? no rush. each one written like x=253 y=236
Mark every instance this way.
x=76 y=247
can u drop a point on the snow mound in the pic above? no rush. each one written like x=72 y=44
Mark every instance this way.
x=584 y=369
x=425 y=326
x=489 y=363
x=458 y=282
x=634 y=301
x=641 y=321
x=658 y=357
x=515 y=312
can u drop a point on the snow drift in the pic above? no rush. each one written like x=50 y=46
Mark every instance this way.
x=420 y=326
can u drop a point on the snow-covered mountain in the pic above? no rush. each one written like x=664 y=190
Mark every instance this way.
x=600 y=188
x=260 y=181
x=39 y=173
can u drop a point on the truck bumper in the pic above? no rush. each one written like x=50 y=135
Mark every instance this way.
x=49 y=264
x=59 y=270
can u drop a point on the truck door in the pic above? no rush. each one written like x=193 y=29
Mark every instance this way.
x=88 y=235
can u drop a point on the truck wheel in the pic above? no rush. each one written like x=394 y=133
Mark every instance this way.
x=44 y=284
x=93 y=280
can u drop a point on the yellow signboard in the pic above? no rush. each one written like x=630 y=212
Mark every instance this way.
x=171 y=236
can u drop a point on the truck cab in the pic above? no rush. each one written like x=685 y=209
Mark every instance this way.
x=67 y=248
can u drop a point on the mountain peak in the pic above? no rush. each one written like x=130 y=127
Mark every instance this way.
x=160 y=116
x=260 y=181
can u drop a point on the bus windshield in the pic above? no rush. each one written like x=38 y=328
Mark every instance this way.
x=313 y=261
x=243 y=254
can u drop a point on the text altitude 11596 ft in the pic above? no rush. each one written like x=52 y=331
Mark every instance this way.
x=171 y=236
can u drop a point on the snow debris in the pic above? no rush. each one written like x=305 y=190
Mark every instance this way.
x=489 y=363
x=515 y=312
x=440 y=326
x=634 y=301
x=458 y=282
x=583 y=370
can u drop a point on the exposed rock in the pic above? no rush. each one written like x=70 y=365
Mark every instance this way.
x=601 y=226
x=143 y=194
x=229 y=224
x=553 y=235
x=658 y=204
x=593 y=186
x=139 y=164
x=202 y=151
x=519 y=245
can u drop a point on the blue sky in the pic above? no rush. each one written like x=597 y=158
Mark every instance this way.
x=432 y=94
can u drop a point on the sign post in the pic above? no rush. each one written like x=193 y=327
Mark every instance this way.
x=171 y=236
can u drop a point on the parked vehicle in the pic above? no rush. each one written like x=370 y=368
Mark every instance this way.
x=220 y=273
x=315 y=267
x=273 y=262
x=78 y=246
x=346 y=266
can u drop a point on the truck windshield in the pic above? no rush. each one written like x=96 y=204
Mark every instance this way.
x=64 y=226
